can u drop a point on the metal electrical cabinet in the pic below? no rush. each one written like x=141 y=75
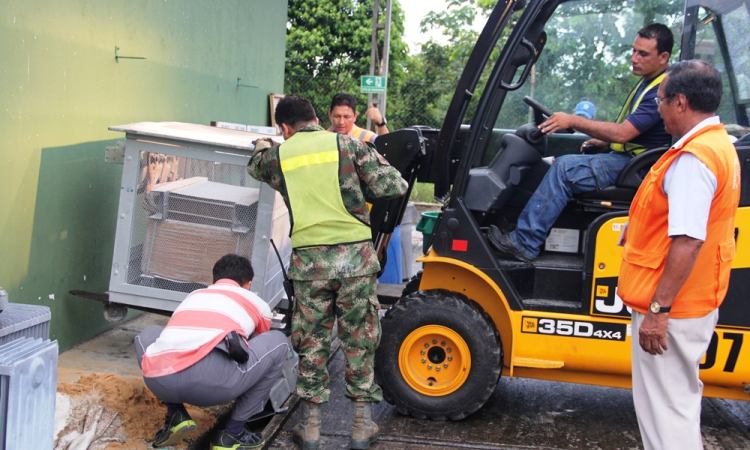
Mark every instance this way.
x=185 y=201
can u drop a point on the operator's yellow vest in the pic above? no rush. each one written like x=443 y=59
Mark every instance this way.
x=628 y=108
x=310 y=165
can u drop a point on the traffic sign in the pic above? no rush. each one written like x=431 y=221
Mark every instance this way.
x=373 y=85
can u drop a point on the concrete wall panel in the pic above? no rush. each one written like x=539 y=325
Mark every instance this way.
x=60 y=88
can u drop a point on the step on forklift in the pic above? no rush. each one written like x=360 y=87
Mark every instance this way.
x=472 y=315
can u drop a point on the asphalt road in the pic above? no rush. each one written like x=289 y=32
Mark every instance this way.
x=521 y=414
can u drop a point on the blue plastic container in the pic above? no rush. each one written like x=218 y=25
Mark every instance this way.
x=393 y=269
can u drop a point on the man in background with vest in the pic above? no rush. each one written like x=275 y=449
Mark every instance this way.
x=325 y=179
x=637 y=128
x=677 y=257
x=343 y=114
x=205 y=356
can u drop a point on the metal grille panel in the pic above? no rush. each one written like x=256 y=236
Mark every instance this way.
x=19 y=320
x=188 y=213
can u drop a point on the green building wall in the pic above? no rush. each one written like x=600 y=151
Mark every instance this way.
x=60 y=88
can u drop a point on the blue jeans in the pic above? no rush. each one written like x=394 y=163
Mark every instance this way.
x=568 y=175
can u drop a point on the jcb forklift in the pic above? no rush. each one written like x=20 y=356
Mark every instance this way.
x=472 y=315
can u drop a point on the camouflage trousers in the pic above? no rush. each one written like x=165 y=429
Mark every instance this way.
x=354 y=304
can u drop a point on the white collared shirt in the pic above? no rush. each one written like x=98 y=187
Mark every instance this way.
x=690 y=186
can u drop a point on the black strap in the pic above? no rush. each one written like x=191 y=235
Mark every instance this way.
x=288 y=287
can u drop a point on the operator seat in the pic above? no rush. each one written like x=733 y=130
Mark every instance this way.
x=620 y=195
x=491 y=186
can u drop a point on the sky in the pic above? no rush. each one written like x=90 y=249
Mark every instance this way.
x=414 y=12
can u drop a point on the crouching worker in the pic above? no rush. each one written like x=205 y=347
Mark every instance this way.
x=216 y=348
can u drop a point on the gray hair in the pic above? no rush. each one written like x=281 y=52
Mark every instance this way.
x=698 y=81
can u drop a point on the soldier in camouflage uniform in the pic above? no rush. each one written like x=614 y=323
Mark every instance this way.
x=324 y=179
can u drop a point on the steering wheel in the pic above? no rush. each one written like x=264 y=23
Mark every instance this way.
x=543 y=111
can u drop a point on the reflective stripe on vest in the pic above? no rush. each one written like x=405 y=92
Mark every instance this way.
x=362 y=134
x=359 y=133
x=310 y=165
x=628 y=109
x=647 y=243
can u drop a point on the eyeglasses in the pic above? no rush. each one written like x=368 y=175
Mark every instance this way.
x=659 y=100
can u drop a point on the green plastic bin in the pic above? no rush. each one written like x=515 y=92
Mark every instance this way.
x=426 y=225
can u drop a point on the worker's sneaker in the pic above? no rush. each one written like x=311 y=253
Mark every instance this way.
x=176 y=428
x=504 y=243
x=246 y=440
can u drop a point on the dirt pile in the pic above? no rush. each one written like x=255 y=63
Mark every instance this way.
x=106 y=411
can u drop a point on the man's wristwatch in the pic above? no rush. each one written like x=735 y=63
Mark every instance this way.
x=382 y=124
x=658 y=309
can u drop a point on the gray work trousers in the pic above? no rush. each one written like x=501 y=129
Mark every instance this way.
x=217 y=379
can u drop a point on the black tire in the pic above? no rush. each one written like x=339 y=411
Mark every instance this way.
x=412 y=285
x=458 y=316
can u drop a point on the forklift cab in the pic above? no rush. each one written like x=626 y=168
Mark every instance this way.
x=550 y=58
x=559 y=317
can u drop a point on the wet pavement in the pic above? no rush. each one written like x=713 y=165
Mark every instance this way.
x=521 y=414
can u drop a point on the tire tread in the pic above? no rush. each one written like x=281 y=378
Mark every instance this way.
x=405 y=309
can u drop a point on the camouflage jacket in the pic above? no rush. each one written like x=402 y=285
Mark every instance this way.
x=363 y=173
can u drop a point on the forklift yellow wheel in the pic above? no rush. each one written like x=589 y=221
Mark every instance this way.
x=437 y=329
x=434 y=360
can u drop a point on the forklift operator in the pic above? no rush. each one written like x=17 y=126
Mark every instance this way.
x=637 y=128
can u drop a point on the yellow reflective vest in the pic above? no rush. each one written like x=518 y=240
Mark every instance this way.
x=628 y=108
x=310 y=165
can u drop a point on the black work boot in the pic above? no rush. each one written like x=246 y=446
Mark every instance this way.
x=504 y=243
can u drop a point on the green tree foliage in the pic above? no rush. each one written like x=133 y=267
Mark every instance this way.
x=587 y=57
x=587 y=54
x=328 y=49
x=457 y=24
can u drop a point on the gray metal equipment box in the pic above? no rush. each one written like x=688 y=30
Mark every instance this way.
x=24 y=321
x=185 y=201
x=28 y=376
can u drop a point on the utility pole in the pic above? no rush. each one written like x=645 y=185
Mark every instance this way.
x=379 y=57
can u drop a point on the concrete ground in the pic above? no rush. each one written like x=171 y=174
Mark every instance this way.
x=107 y=363
x=110 y=352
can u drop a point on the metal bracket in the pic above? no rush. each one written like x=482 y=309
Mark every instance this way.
x=118 y=57
x=245 y=85
x=115 y=154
